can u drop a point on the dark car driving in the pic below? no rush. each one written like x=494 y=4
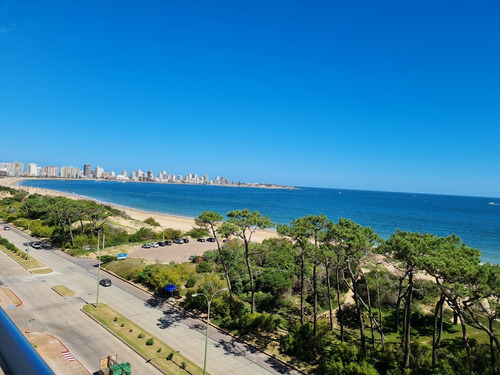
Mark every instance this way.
x=105 y=282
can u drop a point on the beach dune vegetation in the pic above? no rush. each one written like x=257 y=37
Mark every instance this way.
x=151 y=221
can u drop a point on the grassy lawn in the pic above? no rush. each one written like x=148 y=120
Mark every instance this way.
x=30 y=263
x=16 y=301
x=62 y=290
x=136 y=337
x=127 y=268
x=42 y=271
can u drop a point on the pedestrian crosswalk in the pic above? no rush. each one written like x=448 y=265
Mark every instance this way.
x=69 y=357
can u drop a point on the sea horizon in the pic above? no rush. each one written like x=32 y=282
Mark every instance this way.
x=473 y=218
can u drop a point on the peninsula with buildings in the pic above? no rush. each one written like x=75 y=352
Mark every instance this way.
x=33 y=170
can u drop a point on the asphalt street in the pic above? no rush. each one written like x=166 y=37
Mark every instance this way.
x=89 y=342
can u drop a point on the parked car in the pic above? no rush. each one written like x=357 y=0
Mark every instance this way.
x=185 y=240
x=146 y=246
x=36 y=245
x=161 y=243
x=6 y=227
x=225 y=240
x=154 y=244
x=105 y=282
x=168 y=243
x=211 y=239
x=178 y=241
x=201 y=240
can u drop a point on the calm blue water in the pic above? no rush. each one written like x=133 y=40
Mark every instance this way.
x=472 y=218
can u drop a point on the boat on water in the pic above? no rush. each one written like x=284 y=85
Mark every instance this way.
x=494 y=204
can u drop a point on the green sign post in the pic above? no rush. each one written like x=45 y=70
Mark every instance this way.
x=32 y=320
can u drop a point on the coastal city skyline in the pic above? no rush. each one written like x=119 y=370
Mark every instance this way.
x=18 y=169
x=385 y=96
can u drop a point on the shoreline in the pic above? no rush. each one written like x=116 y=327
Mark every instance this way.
x=229 y=184
x=183 y=223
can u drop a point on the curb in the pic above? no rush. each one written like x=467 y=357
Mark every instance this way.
x=194 y=316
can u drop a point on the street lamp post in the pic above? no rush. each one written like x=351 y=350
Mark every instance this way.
x=28 y=242
x=98 y=271
x=99 y=265
x=209 y=302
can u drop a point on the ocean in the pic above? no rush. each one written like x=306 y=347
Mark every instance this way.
x=475 y=219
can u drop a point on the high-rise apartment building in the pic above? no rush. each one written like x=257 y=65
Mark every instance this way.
x=70 y=172
x=98 y=172
x=31 y=169
x=5 y=169
x=51 y=171
x=17 y=168
x=86 y=170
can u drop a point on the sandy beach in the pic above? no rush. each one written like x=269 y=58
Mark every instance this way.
x=177 y=253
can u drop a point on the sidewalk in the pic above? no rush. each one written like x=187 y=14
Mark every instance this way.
x=57 y=356
x=53 y=352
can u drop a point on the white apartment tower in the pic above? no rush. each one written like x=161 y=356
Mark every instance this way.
x=17 y=168
x=51 y=171
x=31 y=169
x=98 y=172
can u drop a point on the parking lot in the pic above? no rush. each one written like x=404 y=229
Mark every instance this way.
x=178 y=253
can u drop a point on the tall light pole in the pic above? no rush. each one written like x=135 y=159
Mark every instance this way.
x=28 y=242
x=98 y=266
x=98 y=271
x=209 y=301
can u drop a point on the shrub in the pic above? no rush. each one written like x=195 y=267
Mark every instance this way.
x=203 y=267
x=140 y=336
x=21 y=222
x=257 y=322
x=183 y=365
x=150 y=342
x=302 y=336
x=191 y=282
x=170 y=356
x=115 y=319
x=151 y=221
x=197 y=233
x=171 y=234
x=107 y=258
x=142 y=234
x=270 y=281
x=39 y=230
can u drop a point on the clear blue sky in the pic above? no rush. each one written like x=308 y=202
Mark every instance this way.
x=374 y=95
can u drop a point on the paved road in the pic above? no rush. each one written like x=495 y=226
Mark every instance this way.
x=62 y=317
x=178 y=330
